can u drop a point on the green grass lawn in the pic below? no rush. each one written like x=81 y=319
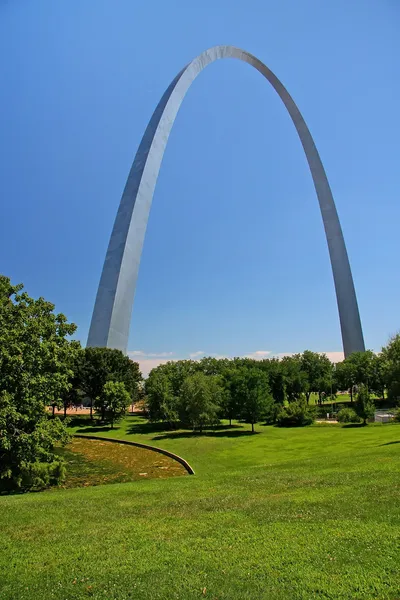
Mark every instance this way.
x=286 y=513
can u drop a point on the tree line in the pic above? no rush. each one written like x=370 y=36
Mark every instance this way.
x=199 y=393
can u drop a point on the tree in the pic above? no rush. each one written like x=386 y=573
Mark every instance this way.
x=362 y=366
x=296 y=380
x=276 y=379
x=364 y=406
x=113 y=401
x=160 y=402
x=391 y=361
x=35 y=369
x=296 y=414
x=378 y=375
x=256 y=402
x=100 y=365
x=318 y=369
x=345 y=377
x=200 y=400
x=71 y=395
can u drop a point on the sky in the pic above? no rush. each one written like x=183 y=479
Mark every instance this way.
x=235 y=262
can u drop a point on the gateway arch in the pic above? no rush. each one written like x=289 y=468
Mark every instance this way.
x=113 y=307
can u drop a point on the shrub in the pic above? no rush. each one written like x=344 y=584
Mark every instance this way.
x=37 y=476
x=296 y=414
x=348 y=415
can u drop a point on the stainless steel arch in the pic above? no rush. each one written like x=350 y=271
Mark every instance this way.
x=113 y=307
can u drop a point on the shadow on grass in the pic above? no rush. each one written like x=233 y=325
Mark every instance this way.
x=98 y=429
x=147 y=428
x=79 y=421
x=390 y=443
x=354 y=425
x=173 y=435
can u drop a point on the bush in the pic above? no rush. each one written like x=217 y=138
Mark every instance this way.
x=348 y=415
x=296 y=414
x=38 y=476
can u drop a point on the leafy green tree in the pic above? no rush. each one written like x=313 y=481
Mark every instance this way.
x=365 y=407
x=256 y=402
x=296 y=414
x=362 y=366
x=391 y=361
x=100 y=365
x=276 y=379
x=296 y=380
x=160 y=402
x=378 y=375
x=200 y=400
x=318 y=369
x=72 y=394
x=113 y=401
x=345 y=377
x=35 y=371
x=177 y=371
x=230 y=404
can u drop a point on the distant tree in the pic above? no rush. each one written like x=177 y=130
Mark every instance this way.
x=364 y=406
x=276 y=380
x=345 y=377
x=378 y=375
x=318 y=369
x=71 y=396
x=256 y=402
x=113 y=401
x=35 y=367
x=296 y=414
x=160 y=402
x=391 y=360
x=100 y=365
x=200 y=400
x=177 y=371
x=296 y=379
x=230 y=405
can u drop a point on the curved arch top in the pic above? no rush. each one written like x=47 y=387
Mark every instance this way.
x=113 y=307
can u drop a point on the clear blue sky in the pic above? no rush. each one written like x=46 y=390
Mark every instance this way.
x=235 y=259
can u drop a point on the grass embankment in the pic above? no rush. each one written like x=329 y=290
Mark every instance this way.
x=283 y=514
x=93 y=462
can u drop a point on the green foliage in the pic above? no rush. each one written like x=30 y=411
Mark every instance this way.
x=200 y=400
x=391 y=367
x=160 y=402
x=35 y=369
x=318 y=370
x=256 y=402
x=365 y=407
x=348 y=415
x=100 y=365
x=113 y=401
x=296 y=414
x=296 y=380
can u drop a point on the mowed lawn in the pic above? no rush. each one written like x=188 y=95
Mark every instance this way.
x=286 y=513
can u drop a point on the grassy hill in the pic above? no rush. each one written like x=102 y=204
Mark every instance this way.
x=286 y=513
